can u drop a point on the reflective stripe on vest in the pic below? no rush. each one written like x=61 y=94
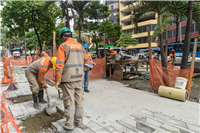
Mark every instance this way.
x=59 y=70
x=60 y=62
x=32 y=70
x=40 y=77
x=87 y=59
x=41 y=81
x=72 y=50
x=73 y=65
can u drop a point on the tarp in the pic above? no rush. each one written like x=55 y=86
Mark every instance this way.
x=167 y=76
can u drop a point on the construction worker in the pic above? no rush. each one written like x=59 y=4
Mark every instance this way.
x=172 y=57
x=112 y=53
x=44 y=54
x=70 y=67
x=86 y=69
x=35 y=75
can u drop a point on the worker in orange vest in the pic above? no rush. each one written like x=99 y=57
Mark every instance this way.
x=69 y=70
x=35 y=73
x=172 y=57
x=112 y=53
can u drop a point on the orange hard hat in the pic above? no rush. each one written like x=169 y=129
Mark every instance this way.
x=172 y=51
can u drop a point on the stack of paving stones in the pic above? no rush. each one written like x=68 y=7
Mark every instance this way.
x=144 y=121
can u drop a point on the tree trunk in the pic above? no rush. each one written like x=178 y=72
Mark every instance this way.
x=97 y=50
x=80 y=27
x=186 y=45
x=164 y=62
x=74 y=16
x=177 y=24
x=38 y=37
x=67 y=15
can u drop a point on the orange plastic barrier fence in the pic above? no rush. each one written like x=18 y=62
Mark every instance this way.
x=22 y=61
x=6 y=117
x=98 y=71
x=167 y=76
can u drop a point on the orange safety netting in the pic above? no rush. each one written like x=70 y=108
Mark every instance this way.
x=7 y=121
x=167 y=76
x=98 y=71
x=22 y=61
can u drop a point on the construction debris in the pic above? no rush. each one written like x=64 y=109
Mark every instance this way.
x=145 y=76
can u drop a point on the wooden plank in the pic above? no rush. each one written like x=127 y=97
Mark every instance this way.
x=194 y=52
x=54 y=44
x=149 y=41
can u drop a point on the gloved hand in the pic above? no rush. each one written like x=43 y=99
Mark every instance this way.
x=56 y=85
x=45 y=87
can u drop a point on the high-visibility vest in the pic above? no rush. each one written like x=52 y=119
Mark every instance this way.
x=70 y=61
x=40 y=67
x=111 y=54
x=172 y=56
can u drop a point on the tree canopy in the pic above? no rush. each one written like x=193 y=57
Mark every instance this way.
x=126 y=40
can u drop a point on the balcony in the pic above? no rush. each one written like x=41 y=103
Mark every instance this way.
x=139 y=24
x=126 y=17
x=142 y=45
x=142 y=34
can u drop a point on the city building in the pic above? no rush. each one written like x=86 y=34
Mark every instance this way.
x=149 y=19
x=114 y=11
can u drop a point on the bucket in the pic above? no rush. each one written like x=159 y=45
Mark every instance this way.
x=180 y=83
x=132 y=69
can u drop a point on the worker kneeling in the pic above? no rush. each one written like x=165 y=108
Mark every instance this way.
x=35 y=75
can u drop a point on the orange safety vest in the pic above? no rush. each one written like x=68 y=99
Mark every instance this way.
x=44 y=54
x=170 y=57
x=111 y=54
x=41 y=66
x=70 y=61
x=87 y=58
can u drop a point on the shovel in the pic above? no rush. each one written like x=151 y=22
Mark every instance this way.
x=51 y=108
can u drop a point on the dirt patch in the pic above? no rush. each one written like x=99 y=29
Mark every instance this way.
x=22 y=99
x=40 y=121
x=144 y=85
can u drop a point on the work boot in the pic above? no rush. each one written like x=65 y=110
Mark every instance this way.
x=87 y=91
x=41 y=97
x=78 y=125
x=35 y=102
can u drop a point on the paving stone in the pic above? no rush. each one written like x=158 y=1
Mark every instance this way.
x=28 y=104
x=115 y=131
x=78 y=130
x=109 y=128
x=102 y=130
x=118 y=127
x=130 y=131
x=170 y=128
x=89 y=131
x=161 y=116
x=14 y=95
x=31 y=110
x=144 y=128
x=93 y=126
x=86 y=120
x=138 y=117
x=177 y=122
x=25 y=111
x=61 y=121
x=129 y=121
x=58 y=127
x=183 y=131
x=153 y=122
x=19 y=93
x=193 y=127
x=147 y=112
x=27 y=92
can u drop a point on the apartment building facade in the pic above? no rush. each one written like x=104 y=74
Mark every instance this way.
x=149 y=19
x=114 y=11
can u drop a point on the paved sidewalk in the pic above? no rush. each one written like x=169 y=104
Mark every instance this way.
x=114 y=107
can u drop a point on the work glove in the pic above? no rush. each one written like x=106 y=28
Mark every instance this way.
x=45 y=87
x=56 y=85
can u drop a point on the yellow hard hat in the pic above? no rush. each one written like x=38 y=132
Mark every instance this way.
x=54 y=62
x=110 y=49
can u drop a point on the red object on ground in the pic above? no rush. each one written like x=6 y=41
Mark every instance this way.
x=167 y=76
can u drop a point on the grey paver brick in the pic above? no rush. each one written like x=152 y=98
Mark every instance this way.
x=78 y=130
x=138 y=117
x=89 y=131
x=153 y=122
x=109 y=128
x=86 y=120
x=118 y=127
x=102 y=130
x=28 y=104
x=58 y=127
x=193 y=127
x=147 y=112
x=115 y=131
x=24 y=109
x=19 y=93
x=144 y=128
x=161 y=116
x=129 y=121
x=130 y=131
x=183 y=131
x=170 y=128
x=92 y=125
x=61 y=121
x=178 y=122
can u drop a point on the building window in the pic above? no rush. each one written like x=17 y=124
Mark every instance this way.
x=183 y=30
x=112 y=7
x=196 y=28
x=169 y=34
x=153 y=27
x=140 y=40
x=193 y=30
x=174 y=32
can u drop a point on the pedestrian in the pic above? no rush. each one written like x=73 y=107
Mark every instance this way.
x=172 y=57
x=70 y=67
x=87 y=69
x=35 y=73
